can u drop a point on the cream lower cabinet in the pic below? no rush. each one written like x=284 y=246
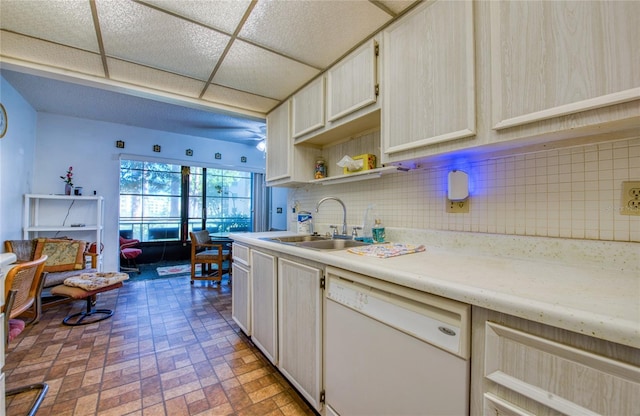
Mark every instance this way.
x=264 y=306
x=300 y=327
x=241 y=292
x=523 y=368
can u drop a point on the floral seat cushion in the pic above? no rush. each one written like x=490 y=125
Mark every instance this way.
x=93 y=281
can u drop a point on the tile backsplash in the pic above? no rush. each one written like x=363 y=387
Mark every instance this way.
x=569 y=193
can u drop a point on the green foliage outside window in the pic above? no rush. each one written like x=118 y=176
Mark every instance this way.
x=152 y=196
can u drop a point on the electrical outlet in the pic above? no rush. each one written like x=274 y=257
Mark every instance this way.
x=457 y=207
x=630 y=202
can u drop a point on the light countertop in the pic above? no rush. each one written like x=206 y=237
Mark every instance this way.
x=599 y=302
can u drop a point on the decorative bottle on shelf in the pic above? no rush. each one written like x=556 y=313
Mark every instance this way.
x=378 y=232
x=67 y=189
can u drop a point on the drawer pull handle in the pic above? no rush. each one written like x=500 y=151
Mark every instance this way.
x=447 y=331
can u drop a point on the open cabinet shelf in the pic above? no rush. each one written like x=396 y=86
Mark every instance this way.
x=358 y=176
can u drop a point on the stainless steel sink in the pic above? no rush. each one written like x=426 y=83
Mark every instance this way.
x=297 y=238
x=316 y=242
x=337 y=244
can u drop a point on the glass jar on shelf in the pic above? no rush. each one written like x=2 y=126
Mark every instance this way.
x=321 y=169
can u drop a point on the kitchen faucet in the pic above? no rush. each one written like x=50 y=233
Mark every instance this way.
x=344 y=211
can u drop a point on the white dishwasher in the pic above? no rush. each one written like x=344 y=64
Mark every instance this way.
x=391 y=350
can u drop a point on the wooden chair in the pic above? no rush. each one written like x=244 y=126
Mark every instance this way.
x=21 y=290
x=211 y=256
x=25 y=279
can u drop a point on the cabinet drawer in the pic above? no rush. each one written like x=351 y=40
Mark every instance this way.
x=240 y=254
x=560 y=377
x=496 y=406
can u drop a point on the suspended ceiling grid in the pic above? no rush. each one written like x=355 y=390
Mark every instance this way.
x=237 y=56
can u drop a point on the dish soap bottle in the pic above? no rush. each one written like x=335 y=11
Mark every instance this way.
x=367 y=236
x=378 y=232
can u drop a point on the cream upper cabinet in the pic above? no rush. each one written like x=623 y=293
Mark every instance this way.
x=308 y=108
x=352 y=83
x=325 y=113
x=349 y=105
x=428 y=82
x=279 y=144
x=555 y=58
x=287 y=165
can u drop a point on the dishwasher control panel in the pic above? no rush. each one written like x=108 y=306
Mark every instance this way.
x=348 y=295
x=437 y=324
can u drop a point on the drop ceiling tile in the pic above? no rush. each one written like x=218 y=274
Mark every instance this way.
x=235 y=98
x=397 y=6
x=224 y=15
x=50 y=54
x=65 y=22
x=255 y=70
x=314 y=32
x=152 y=78
x=143 y=35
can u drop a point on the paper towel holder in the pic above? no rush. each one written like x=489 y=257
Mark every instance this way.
x=458 y=185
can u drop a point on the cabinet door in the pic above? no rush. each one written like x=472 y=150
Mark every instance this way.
x=552 y=372
x=351 y=84
x=523 y=368
x=241 y=254
x=264 y=304
x=428 y=77
x=308 y=108
x=550 y=59
x=279 y=144
x=300 y=328
x=241 y=297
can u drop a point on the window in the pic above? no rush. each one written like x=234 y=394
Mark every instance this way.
x=219 y=200
x=161 y=201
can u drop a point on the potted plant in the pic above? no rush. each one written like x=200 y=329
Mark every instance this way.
x=68 y=181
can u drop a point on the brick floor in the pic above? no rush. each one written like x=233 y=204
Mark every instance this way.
x=170 y=349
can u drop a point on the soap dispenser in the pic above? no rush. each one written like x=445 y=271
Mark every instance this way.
x=378 y=232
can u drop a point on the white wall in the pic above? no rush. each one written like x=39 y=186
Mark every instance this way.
x=16 y=161
x=570 y=193
x=89 y=146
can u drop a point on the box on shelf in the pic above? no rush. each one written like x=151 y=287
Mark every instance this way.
x=368 y=163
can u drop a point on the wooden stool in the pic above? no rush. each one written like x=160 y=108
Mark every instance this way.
x=78 y=293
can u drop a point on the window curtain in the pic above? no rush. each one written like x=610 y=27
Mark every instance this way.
x=260 y=203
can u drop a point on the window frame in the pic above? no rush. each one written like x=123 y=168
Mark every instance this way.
x=136 y=227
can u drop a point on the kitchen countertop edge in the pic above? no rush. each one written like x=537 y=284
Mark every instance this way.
x=612 y=321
